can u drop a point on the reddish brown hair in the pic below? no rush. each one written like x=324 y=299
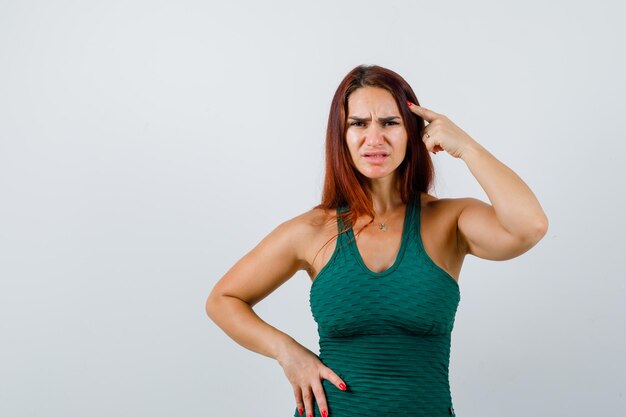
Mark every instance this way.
x=343 y=184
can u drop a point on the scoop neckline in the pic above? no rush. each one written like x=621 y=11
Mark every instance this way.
x=399 y=256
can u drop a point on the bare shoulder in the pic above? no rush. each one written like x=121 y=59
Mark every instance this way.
x=310 y=230
x=444 y=207
x=304 y=232
x=439 y=231
x=273 y=261
x=301 y=229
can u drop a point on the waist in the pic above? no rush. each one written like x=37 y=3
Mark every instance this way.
x=392 y=373
x=388 y=355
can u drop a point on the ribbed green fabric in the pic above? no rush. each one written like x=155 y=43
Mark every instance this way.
x=387 y=334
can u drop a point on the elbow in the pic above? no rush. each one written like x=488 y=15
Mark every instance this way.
x=210 y=306
x=537 y=232
x=541 y=227
x=533 y=233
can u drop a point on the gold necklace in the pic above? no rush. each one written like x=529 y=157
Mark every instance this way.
x=382 y=226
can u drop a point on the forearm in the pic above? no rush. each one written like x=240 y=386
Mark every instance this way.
x=239 y=321
x=516 y=206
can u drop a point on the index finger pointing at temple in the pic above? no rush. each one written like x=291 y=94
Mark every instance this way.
x=423 y=112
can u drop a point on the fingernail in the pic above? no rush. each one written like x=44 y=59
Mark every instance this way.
x=342 y=386
x=409 y=103
x=300 y=411
x=324 y=413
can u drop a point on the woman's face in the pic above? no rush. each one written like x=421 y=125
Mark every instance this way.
x=375 y=126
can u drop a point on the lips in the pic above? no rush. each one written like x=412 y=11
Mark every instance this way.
x=377 y=153
x=376 y=158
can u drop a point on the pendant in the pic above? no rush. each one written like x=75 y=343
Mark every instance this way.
x=382 y=227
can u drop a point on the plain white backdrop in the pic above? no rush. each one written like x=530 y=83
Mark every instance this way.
x=146 y=146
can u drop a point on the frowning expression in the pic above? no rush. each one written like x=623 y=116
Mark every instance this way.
x=375 y=134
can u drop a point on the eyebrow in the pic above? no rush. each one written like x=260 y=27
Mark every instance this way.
x=381 y=119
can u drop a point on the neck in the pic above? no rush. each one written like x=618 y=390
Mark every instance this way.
x=385 y=197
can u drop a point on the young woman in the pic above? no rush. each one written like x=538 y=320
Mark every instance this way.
x=384 y=257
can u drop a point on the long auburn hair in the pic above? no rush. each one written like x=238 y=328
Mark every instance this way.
x=344 y=186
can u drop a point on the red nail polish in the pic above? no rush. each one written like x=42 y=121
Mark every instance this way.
x=409 y=103
x=324 y=413
x=342 y=386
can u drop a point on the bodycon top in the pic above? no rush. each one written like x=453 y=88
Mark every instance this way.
x=386 y=334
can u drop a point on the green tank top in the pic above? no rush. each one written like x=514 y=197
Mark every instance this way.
x=386 y=334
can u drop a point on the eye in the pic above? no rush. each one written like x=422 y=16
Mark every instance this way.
x=391 y=121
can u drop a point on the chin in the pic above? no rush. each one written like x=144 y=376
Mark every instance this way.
x=376 y=175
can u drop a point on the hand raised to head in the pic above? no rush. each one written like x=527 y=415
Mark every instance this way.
x=441 y=134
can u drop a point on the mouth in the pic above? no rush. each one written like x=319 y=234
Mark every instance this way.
x=375 y=157
x=377 y=153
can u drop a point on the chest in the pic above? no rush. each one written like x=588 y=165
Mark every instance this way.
x=413 y=299
x=379 y=250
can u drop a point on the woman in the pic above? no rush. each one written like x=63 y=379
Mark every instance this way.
x=385 y=297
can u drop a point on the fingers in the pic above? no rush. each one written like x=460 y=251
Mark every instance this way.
x=320 y=397
x=330 y=375
x=307 y=396
x=318 y=389
x=423 y=112
x=428 y=141
x=299 y=403
x=318 y=394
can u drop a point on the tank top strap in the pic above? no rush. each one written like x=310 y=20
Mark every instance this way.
x=341 y=225
x=343 y=242
x=416 y=201
x=414 y=224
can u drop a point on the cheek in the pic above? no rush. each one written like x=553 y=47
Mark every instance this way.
x=351 y=143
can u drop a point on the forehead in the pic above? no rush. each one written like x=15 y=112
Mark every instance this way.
x=371 y=100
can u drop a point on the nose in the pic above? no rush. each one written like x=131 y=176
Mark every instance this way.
x=374 y=135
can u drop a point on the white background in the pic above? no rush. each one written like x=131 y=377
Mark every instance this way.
x=146 y=146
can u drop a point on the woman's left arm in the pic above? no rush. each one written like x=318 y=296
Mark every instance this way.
x=514 y=222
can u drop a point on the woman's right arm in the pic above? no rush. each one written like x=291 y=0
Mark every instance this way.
x=261 y=271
